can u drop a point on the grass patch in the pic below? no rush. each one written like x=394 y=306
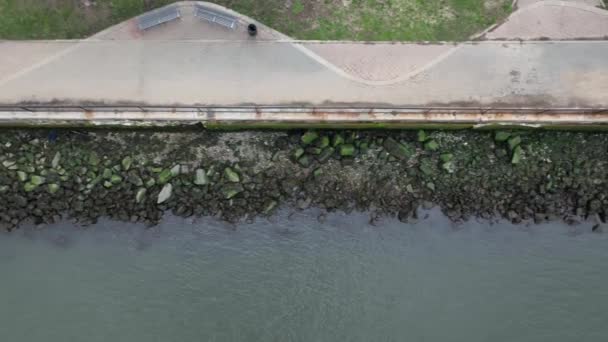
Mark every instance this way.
x=395 y=20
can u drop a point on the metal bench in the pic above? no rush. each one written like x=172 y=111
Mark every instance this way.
x=158 y=17
x=215 y=17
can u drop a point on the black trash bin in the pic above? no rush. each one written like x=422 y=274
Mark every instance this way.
x=252 y=30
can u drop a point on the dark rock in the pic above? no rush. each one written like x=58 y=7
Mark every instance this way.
x=398 y=150
x=325 y=154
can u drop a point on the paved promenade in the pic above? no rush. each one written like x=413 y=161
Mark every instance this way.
x=271 y=73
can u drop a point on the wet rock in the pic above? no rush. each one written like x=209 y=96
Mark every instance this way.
x=426 y=205
x=513 y=216
x=115 y=179
x=304 y=203
x=165 y=193
x=231 y=175
x=403 y=216
x=540 y=218
x=269 y=206
x=398 y=150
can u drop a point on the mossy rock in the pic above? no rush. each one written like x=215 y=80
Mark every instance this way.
x=514 y=142
x=53 y=188
x=22 y=176
x=431 y=145
x=298 y=153
x=501 y=136
x=422 y=137
x=517 y=154
x=323 y=142
x=126 y=163
x=309 y=137
x=231 y=190
x=347 y=150
x=164 y=176
x=337 y=140
x=304 y=161
x=446 y=157
x=231 y=175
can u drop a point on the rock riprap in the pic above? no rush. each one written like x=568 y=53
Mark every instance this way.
x=138 y=176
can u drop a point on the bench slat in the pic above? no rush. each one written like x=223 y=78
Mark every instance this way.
x=215 y=17
x=158 y=17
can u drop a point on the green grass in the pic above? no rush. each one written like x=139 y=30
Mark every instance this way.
x=394 y=20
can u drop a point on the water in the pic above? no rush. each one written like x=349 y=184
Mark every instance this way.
x=297 y=280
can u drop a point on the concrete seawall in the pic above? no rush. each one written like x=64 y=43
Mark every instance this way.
x=285 y=117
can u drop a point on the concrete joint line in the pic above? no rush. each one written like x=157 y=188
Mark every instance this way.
x=350 y=77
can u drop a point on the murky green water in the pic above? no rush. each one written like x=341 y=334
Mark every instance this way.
x=298 y=280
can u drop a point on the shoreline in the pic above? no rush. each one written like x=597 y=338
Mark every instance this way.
x=523 y=176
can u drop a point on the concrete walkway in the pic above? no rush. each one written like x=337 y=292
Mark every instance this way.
x=550 y=19
x=226 y=73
